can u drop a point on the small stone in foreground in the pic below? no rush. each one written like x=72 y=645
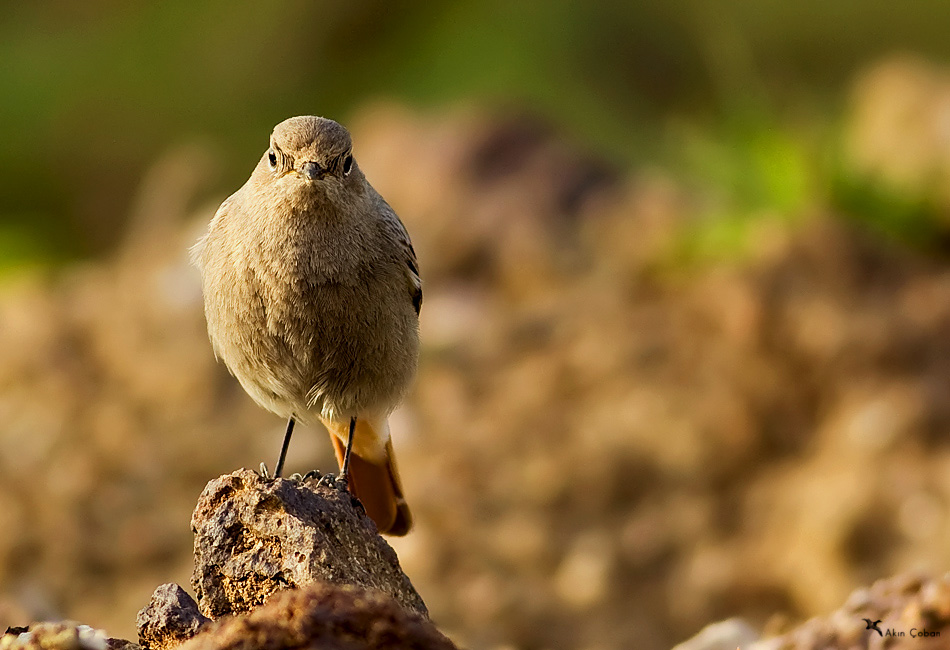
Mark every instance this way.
x=325 y=616
x=63 y=635
x=170 y=618
x=724 y=635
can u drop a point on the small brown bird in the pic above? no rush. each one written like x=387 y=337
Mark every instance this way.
x=312 y=296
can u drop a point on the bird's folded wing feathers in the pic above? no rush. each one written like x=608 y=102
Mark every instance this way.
x=398 y=231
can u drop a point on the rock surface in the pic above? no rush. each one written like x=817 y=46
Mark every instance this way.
x=255 y=536
x=170 y=618
x=324 y=616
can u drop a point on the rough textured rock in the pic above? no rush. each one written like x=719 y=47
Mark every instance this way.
x=324 y=616
x=254 y=537
x=170 y=618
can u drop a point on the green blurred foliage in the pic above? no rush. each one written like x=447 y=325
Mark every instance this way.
x=749 y=172
x=94 y=91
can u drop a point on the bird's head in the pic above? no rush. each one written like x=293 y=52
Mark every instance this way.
x=309 y=154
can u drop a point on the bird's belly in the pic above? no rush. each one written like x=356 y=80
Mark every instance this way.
x=335 y=353
x=359 y=370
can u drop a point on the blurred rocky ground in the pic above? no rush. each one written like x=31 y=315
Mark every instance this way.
x=602 y=449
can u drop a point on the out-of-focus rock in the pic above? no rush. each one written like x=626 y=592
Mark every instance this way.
x=326 y=616
x=899 y=128
x=501 y=196
x=910 y=612
x=62 y=636
x=170 y=618
x=725 y=635
x=255 y=537
x=904 y=611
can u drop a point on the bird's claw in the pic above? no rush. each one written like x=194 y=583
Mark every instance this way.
x=327 y=480
x=297 y=477
x=322 y=479
x=265 y=474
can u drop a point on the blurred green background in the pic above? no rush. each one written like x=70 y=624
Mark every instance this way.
x=742 y=96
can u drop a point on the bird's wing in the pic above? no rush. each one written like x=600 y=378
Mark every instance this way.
x=414 y=278
x=399 y=235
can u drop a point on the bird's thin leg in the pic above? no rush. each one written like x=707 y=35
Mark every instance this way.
x=345 y=470
x=283 y=448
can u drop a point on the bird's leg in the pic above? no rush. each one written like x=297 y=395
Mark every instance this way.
x=342 y=481
x=283 y=448
x=345 y=470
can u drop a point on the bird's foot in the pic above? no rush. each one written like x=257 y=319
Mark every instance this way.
x=333 y=481
x=296 y=477
x=327 y=480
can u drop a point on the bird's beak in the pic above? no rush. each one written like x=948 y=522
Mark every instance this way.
x=311 y=171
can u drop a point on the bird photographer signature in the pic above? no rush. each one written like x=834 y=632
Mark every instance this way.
x=915 y=632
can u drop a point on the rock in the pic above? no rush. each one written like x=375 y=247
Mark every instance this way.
x=170 y=618
x=896 y=131
x=255 y=537
x=724 y=635
x=910 y=612
x=324 y=616
x=61 y=636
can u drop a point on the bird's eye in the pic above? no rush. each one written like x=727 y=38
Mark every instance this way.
x=272 y=159
x=347 y=164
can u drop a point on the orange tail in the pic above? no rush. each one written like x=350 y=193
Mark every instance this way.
x=376 y=484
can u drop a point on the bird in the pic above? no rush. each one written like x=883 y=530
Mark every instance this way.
x=872 y=625
x=312 y=295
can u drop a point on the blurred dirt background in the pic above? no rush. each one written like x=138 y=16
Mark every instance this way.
x=709 y=380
